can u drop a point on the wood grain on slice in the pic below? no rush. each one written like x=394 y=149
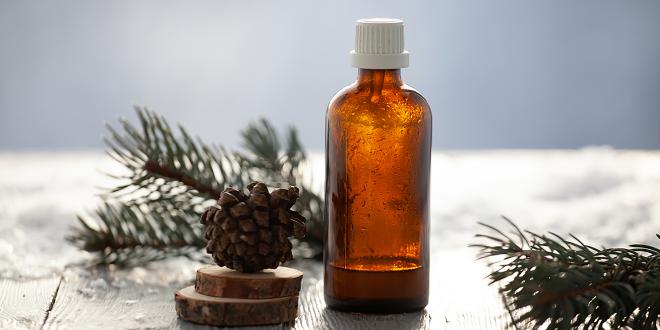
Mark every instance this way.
x=194 y=307
x=223 y=282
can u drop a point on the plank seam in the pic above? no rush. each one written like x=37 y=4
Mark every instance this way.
x=52 y=302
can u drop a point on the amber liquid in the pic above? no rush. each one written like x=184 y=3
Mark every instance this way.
x=378 y=147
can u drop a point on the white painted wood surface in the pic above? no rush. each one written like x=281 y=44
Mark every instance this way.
x=103 y=298
x=608 y=197
x=24 y=303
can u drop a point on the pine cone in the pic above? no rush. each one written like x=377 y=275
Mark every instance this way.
x=251 y=232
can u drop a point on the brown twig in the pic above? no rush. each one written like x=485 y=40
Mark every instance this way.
x=166 y=172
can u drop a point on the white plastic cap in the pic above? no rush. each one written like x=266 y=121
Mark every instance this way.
x=379 y=44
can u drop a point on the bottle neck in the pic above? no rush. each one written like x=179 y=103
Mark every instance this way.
x=379 y=78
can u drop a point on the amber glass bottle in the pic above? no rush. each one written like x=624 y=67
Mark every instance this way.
x=378 y=153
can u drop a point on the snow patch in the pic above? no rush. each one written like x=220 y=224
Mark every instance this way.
x=606 y=196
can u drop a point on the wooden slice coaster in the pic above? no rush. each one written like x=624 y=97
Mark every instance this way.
x=218 y=281
x=194 y=307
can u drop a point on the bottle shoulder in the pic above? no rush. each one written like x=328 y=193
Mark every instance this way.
x=416 y=95
x=348 y=92
x=355 y=98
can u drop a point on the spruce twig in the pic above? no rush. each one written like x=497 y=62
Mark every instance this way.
x=154 y=211
x=564 y=284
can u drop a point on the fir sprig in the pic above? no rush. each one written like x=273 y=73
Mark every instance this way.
x=559 y=283
x=171 y=177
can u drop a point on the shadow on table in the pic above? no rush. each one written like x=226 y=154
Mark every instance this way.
x=184 y=325
x=332 y=319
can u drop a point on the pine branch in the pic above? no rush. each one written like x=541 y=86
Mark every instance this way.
x=130 y=234
x=171 y=178
x=564 y=284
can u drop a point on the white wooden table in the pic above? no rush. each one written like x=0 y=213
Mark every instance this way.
x=607 y=197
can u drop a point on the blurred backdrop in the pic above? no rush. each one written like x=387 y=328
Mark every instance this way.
x=498 y=74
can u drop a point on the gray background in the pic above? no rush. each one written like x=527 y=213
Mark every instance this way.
x=498 y=74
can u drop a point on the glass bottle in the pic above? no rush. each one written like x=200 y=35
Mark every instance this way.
x=378 y=154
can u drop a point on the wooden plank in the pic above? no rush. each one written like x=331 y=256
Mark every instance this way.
x=460 y=299
x=460 y=295
x=99 y=302
x=94 y=302
x=313 y=314
x=24 y=303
